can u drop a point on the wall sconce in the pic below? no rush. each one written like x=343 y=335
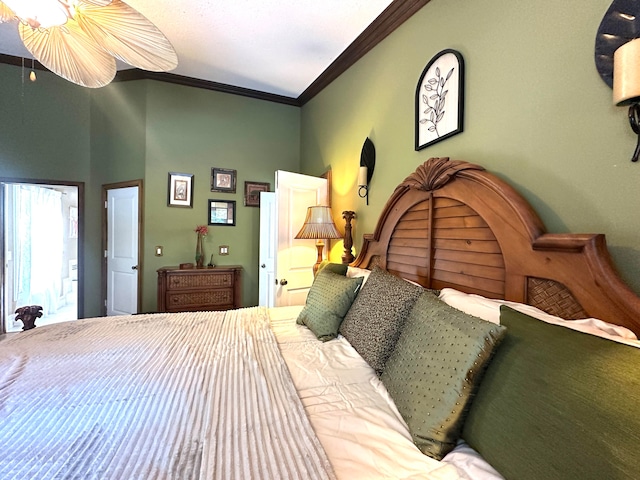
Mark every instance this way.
x=626 y=85
x=318 y=225
x=367 y=165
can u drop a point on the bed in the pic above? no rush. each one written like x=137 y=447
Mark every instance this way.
x=339 y=387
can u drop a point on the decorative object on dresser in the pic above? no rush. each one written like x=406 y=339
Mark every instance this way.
x=222 y=212
x=440 y=99
x=180 y=193
x=318 y=225
x=190 y=290
x=348 y=257
x=367 y=165
x=223 y=180
x=252 y=192
x=201 y=232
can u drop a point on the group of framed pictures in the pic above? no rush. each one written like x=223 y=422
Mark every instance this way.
x=223 y=180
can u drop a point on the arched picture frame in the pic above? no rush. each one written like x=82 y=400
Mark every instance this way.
x=440 y=99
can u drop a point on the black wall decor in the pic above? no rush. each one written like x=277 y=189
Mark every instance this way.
x=620 y=24
x=368 y=158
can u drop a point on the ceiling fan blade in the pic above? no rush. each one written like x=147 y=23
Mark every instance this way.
x=127 y=35
x=6 y=14
x=70 y=53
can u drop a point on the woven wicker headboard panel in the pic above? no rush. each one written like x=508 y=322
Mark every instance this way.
x=452 y=224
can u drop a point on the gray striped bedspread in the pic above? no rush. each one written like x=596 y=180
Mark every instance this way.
x=201 y=395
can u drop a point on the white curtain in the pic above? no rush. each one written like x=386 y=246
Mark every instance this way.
x=39 y=244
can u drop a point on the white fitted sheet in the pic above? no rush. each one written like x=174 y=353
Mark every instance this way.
x=353 y=416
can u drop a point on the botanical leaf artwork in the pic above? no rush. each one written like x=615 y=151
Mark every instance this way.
x=439 y=99
x=435 y=99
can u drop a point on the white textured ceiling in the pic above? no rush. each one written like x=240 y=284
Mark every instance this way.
x=273 y=46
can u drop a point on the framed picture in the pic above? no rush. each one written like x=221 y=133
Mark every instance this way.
x=223 y=180
x=252 y=193
x=222 y=212
x=180 y=190
x=440 y=99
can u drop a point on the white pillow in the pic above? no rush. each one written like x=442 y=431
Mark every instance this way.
x=489 y=310
x=353 y=272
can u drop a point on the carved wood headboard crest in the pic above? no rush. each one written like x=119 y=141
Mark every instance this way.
x=435 y=173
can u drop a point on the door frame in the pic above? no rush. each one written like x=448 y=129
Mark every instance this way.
x=105 y=189
x=81 y=221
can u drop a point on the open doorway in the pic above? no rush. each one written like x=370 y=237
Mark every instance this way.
x=41 y=248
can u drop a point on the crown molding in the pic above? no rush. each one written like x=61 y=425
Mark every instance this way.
x=391 y=18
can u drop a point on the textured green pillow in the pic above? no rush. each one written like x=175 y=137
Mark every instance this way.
x=558 y=404
x=435 y=369
x=337 y=268
x=374 y=321
x=328 y=301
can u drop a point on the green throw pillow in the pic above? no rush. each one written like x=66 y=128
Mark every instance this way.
x=435 y=369
x=558 y=404
x=328 y=301
x=337 y=268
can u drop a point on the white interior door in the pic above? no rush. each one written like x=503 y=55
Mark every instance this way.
x=268 y=249
x=122 y=251
x=295 y=258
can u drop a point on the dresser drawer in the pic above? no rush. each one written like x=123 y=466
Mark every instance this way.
x=221 y=299
x=206 y=280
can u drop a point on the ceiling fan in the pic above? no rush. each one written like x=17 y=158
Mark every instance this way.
x=80 y=40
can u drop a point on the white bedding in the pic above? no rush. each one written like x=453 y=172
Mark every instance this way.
x=164 y=396
x=355 y=419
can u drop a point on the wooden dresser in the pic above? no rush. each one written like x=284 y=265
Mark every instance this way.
x=195 y=289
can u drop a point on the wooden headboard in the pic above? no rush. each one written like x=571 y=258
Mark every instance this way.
x=452 y=224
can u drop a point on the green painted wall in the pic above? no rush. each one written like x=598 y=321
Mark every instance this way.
x=191 y=130
x=146 y=129
x=118 y=131
x=55 y=130
x=536 y=113
x=44 y=135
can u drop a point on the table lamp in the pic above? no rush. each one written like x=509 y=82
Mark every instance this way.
x=318 y=225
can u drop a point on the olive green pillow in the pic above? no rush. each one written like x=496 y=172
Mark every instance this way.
x=338 y=268
x=328 y=301
x=435 y=369
x=558 y=404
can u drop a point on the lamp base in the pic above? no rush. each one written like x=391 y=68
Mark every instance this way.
x=319 y=247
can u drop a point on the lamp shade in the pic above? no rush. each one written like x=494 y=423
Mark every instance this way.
x=318 y=224
x=626 y=73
